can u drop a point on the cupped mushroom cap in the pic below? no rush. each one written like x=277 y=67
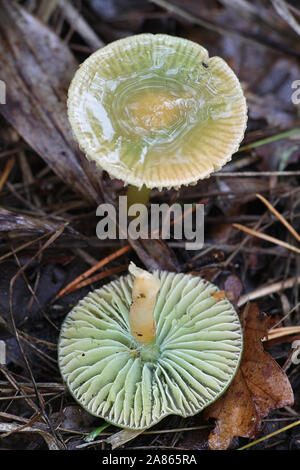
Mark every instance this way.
x=191 y=362
x=155 y=110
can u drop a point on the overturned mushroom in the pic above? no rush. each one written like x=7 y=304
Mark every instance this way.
x=149 y=345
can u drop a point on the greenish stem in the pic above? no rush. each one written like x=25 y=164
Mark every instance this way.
x=137 y=196
x=149 y=352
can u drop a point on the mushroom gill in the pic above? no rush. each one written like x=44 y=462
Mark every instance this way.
x=188 y=362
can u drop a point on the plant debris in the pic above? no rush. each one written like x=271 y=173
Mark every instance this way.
x=259 y=386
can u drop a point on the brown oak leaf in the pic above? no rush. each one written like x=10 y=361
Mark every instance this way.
x=259 y=386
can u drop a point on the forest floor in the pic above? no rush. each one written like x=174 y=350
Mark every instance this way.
x=49 y=194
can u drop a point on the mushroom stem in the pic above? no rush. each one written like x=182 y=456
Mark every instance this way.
x=144 y=293
x=137 y=196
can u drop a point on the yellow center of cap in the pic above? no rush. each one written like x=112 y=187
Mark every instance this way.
x=154 y=110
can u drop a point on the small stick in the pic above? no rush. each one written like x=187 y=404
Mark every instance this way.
x=267 y=290
x=285 y=316
x=296 y=423
x=284 y=331
x=23 y=426
x=98 y=277
x=45 y=10
x=250 y=174
x=276 y=241
x=280 y=217
x=90 y=271
x=77 y=22
x=8 y=167
x=22 y=247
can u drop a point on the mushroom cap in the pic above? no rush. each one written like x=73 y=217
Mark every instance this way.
x=191 y=362
x=155 y=110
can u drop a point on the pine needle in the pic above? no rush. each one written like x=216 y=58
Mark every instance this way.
x=8 y=167
x=78 y=280
x=280 y=217
x=296 y=423
x=268 y=238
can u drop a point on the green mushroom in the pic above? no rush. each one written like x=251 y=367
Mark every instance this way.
x=133 y=373
x=155 y=111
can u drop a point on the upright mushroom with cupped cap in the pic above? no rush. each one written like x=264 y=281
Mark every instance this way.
x=148 y=345
x=155 y=111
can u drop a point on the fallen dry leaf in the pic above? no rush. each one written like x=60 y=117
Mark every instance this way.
x=11 y=221
x=14 y=428
x=259 y=386
x=37 y=67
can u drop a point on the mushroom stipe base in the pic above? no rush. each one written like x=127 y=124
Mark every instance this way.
x=189 y=364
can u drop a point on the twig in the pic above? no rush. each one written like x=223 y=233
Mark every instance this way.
x=8 y=167
x=45 y=10
x=294 y=9
x=85 y=256
x=15 y=428
x=8 y=153
x=18 y=387
x=98 y=277
x=269 y=43
x=90 y=271
x=280 y=332
x=268 y=290
x=285 y=316
x=280 y=217
x=270 y=435
x=23 y=426
x=11 y=285
x=243 y=243
x=22 y=397
x=28 y=386
x=33 y=293
x=28 y=179
x=282 y=9
x=268 y=238
x=250 y=174
x=22 y=247
x=118 y=439
x=24 y=201
x=145 y=433
x=77 y=22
